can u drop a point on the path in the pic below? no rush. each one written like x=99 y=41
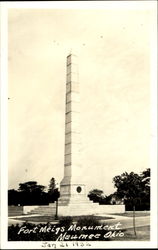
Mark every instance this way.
x=126 y=222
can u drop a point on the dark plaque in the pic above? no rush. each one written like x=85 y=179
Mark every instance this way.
x=79 y=189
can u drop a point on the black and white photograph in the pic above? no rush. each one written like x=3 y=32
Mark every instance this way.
x=78 y=145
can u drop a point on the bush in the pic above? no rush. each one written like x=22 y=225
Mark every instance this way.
x=66 y=221
x=89 y=221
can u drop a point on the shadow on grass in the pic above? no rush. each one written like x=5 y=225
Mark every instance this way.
x=52 y=219
x=130 y=214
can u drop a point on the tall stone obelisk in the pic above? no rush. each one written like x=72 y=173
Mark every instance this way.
x=71 y=187
x=73 y=199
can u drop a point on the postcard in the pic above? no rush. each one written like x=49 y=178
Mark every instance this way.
x=78 y=125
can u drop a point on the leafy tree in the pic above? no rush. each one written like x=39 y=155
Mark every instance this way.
x=96 y=195
x=145 y=175
x=113 y=199
x=32 y=194
x=129 y=187
x=145 y=178
x=30 y=186
x=13 y=197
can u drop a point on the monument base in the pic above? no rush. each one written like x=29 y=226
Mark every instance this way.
x=74 y=209
x=77 y=209
x=72 y=192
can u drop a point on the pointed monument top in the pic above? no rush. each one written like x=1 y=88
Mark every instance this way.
x=71 y=53
x=72 y=59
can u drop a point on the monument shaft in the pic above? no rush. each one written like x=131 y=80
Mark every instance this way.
x=72 y=114
x=71 y=186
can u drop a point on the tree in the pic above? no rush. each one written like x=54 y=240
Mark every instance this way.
x=145 y=177
x=129 y=187
x=51 y=186
x=113 y=199
x=53 y=192
x=96 y=195
x=31 y=193
x=13 y=197
x=31 y=186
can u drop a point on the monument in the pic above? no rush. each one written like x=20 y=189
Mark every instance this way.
x=71 y=188
x=73 y=198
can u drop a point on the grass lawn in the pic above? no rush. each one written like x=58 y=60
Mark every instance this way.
x=137 y=214
x=143 y=234
x=52 y=219
x=94 y=216
x=112 y=234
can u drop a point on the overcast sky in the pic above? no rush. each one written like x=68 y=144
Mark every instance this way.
x=113 y=49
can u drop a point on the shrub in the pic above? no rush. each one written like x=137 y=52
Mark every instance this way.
x=88 y=221
x=66 y=221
